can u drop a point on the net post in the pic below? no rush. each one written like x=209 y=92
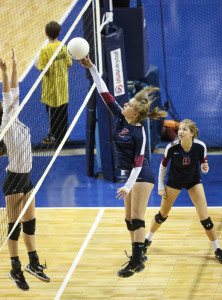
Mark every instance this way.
x=99 y=42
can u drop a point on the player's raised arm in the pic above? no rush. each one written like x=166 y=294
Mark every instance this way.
x=7 y=96
x=5 y=80
x=108 y=99
x=14 y=81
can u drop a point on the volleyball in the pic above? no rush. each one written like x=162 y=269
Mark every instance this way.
x=78 y=48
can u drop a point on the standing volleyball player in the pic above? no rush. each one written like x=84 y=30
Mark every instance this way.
x=17 y=185
x=186 y=154
x=129 y=141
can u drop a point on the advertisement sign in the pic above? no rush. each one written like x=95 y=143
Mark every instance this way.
x=118 y=80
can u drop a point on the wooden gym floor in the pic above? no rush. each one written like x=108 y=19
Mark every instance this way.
x=84 y=248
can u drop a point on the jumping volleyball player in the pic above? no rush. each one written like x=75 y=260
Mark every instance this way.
x=129 y=141
x=186 y=153
x=17 y=185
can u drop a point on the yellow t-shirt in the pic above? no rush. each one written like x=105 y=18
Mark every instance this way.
x=55 y=89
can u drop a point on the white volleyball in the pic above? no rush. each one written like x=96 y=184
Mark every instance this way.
x=78 y=48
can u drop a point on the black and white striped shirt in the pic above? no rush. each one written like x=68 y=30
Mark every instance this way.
x=17 y=138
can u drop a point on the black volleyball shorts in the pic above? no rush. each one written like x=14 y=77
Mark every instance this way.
x=15 y=183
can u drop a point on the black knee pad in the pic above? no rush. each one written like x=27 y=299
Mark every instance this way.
x=16 y=233
x=29 y=227
x=207 y=224
x=136 y=224
x=128 y=224
x=159 y=219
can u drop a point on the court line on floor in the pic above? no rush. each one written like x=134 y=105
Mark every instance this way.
x=80 y=253
x=116 y=207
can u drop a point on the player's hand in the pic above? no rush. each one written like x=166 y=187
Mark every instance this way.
x=204 y=167
x=162 y=193
x=122 y=193
x=14 y=58
x=85 y=62
x=3 y=65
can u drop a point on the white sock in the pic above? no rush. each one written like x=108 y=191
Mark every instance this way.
x=215 y=244
x=149 y=235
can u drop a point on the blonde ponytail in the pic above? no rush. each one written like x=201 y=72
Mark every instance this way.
x=157 y=113
x=145 y=99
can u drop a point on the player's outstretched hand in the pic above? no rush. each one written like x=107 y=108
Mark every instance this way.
x=122 y=193
x=3 y=65
x=85 y=62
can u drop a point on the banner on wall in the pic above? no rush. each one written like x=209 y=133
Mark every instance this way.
x=117 y=70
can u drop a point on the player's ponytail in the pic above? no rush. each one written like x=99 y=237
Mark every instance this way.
x=196 y=133
x=157 y=113
x=192 y=126
x=145 y=99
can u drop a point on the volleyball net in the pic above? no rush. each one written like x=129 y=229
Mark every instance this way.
x=34 y=114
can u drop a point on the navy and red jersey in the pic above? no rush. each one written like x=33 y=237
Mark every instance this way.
x=184 y=166
x=129 y=140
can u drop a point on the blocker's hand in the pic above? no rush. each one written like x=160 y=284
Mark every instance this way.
x=14 y=58
x=3 y=65
x=85 y=62
x=122 y=193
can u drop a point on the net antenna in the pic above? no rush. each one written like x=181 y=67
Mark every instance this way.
x=50 y=154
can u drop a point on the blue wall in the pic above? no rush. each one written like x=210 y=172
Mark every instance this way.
x=193 y=51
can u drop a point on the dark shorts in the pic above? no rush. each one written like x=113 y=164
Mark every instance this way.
x=15 y=183
x=182 y=185
x=146 y=175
